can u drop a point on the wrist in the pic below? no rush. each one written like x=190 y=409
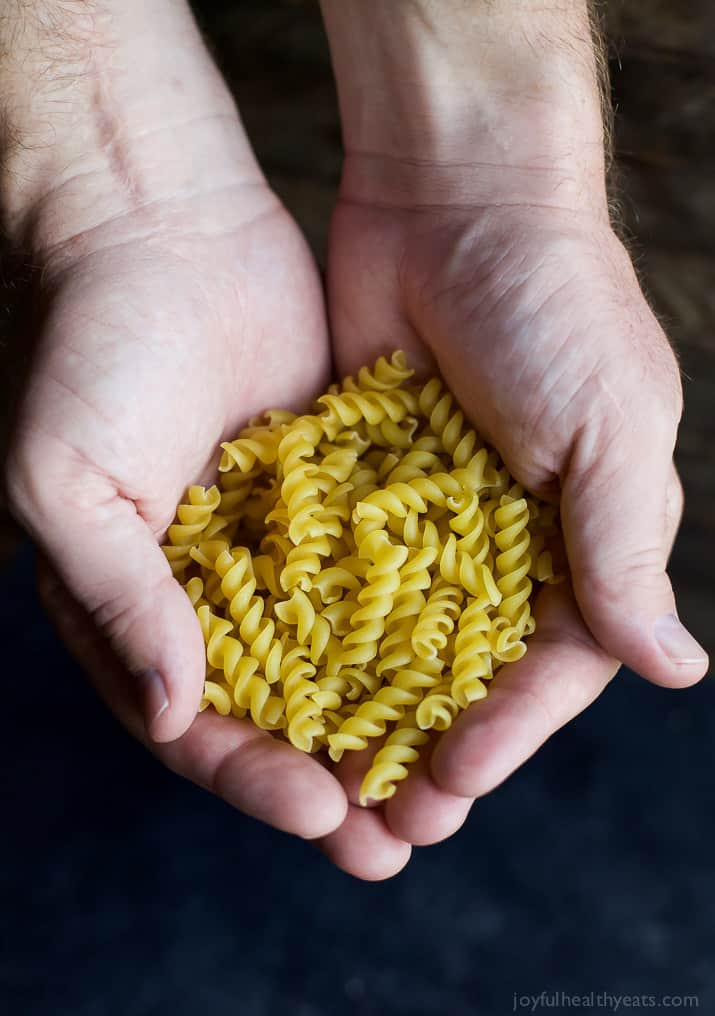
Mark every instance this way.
x=467 y=102
x=101 y=105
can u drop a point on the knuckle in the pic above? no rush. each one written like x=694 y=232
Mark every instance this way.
x=116 y=613
x=539 y=703
x=626 y=576
x=44 y=474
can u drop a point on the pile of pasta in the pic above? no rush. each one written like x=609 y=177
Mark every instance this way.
x=362 y=571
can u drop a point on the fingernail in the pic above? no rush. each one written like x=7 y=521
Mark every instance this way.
x=676 y=641
x=155 y=701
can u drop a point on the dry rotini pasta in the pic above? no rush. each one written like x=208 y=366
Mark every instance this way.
x=362 y=571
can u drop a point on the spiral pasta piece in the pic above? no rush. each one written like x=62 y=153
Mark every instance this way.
x=302 y=710
x=217 y=695
x=389 y=766
x=193 y=518
x=458 y=568
x=505 y=640
x=437 y=709
x=225 y=652
x=375 y=598
x=396 y=648
x=447 y=422
x=436 y=620
x=384 y=375
x=347 y=409
x=371 y=719
x=472 y=661
x=258 y=444
x=514 y=561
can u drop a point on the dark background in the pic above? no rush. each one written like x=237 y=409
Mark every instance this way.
x=127 y=892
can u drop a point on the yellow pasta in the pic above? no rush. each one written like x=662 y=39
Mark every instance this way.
x=193 y=518
x=390 y=763
x=362 y=571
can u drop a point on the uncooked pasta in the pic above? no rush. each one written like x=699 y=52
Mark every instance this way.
x=361 y=571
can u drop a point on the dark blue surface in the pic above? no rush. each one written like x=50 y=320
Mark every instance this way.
x=127 y=892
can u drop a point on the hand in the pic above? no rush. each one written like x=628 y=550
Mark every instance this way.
x=473 y=232
x=535 y=318
x=178 y=300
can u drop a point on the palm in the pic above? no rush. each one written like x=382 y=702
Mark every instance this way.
x=498 y=300
x=157 y=349
x=152 y=352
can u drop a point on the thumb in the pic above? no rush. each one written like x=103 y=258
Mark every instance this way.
x=107 y=556
x=621 y=504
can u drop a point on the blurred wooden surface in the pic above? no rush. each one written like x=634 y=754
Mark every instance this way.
x=662 y=59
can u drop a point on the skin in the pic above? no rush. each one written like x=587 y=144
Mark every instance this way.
x=471 y=231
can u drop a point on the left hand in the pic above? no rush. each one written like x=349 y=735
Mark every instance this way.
x=534 y=316
x=178 y=299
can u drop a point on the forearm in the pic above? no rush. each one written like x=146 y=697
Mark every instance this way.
x=97 y=98
x=506 y=86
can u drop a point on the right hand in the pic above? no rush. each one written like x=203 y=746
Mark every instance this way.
x=472 y=230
